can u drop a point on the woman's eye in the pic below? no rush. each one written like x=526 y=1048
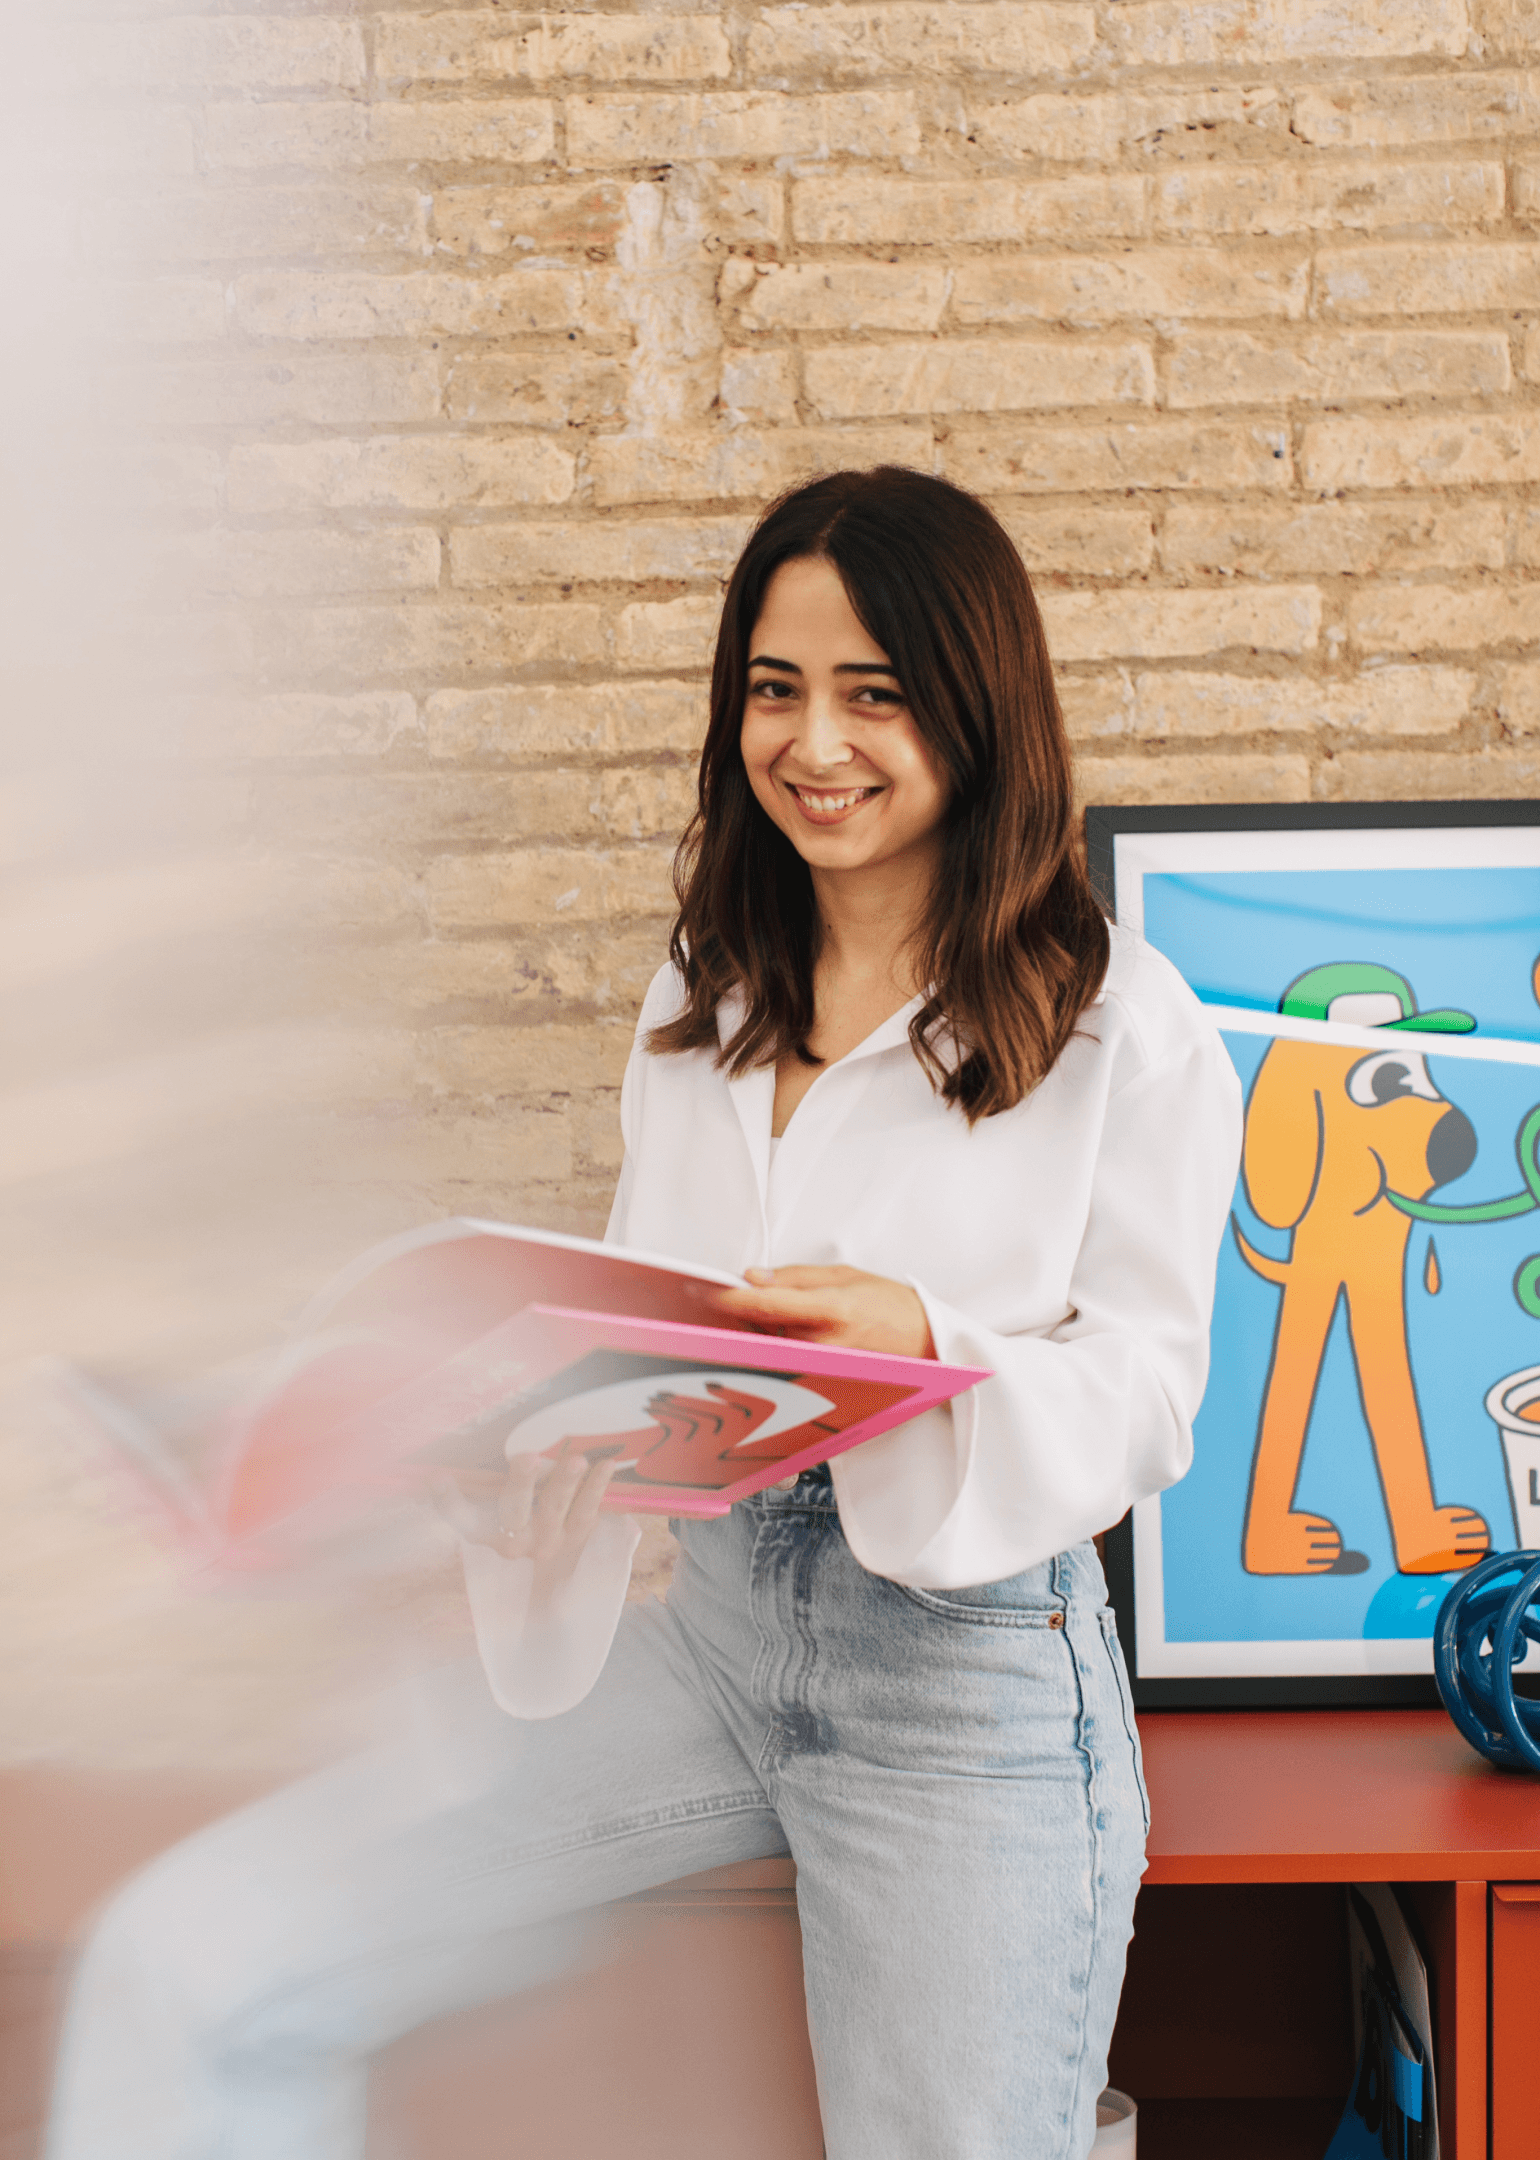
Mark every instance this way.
x=770 y=688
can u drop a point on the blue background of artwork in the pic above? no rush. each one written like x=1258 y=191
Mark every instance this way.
x=1463 y=938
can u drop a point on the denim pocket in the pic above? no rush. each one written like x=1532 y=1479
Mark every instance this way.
x=1018 y=1601
x=1126 y=1696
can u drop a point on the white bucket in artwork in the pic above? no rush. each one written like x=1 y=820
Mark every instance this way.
x=1507 y=1403
x=1117 y=2124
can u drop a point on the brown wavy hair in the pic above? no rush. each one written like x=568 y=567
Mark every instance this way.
x=1012 y=943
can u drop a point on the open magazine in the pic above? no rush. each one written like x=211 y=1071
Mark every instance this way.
x=454 y=1346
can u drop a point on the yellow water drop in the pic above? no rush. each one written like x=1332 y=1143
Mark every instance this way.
x=1432 y=1280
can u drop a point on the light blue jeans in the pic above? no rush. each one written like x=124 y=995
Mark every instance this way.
x=956 y=1775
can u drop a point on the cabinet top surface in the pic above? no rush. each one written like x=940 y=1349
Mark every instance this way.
x=1331 y=1795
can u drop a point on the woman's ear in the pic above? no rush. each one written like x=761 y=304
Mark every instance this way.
x=1286 y=1131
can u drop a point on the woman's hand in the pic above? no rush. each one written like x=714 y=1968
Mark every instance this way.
x=838 y=1305
x=537 y=1510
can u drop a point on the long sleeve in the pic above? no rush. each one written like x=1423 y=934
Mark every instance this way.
x=539 y=1664
x=1078 y=1423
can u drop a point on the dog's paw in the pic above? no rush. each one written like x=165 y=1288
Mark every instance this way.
x=1449 y=1538
x=1292 y=1545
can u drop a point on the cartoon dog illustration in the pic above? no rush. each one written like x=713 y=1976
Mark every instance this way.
x=1329 y=1133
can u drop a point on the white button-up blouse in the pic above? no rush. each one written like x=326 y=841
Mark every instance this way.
x=1067 y=1245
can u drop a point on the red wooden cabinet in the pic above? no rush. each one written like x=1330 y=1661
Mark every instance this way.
x=1235 y=2029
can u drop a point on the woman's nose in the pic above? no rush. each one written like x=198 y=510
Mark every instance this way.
x=823 y=742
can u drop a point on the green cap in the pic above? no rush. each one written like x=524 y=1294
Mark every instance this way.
x=1363 y=994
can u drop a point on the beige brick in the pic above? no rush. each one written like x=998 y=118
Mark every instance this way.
x=597 y=551
x=1531 y=359
x=647 y=805
x=1526 y=536
x=1152 y=283
x=1359 y=194
x=596 y=1135
x=845 y=297
x=1526 y=188
x=238 y=224
x=1230 y=367
x=612 y=719
x=1188 y=702
x=546 y=886
x=399 y=472
x=1094 y=705
x=1443 y=618
x=485 y=131
x=1252 y=33
x=204 y=53
x=1353 y=539
x=1153 y=625
x=536 y=389
x=562 y=214
x=1428 y=278
x=313 y=724
x=1510 y=28
x=370 y=813
x=1430 y=776
x=1080 y=540
x=484 y=47
x=1133 y=454
x=668 y=634
x=1173 y=120
x=740 y=208
x=422 y=304
x=249 y=390
x=862 y=210
x=1397 y=112
x=623 y=130
x=1187 y=779
x=604 y=968
x=1422 y=450
x=433 y=640
x=719 y=467
x=164 y=311
x=1518 y=697
x=849 y=382
x=758 y=388
x=489 y=1062
x=473 y=1151
x=904 y=37
x=255 y=565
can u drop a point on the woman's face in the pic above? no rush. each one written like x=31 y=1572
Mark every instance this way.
x=831 y=748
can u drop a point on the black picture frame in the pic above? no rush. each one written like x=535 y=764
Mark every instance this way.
x=1103 y=826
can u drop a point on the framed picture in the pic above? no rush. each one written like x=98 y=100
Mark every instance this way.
x=1372 y=1420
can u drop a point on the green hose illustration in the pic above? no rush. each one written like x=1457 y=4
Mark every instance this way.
x=1526 y=1283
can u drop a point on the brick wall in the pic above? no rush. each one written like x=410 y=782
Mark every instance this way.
x=456 y=348
x=387 y=392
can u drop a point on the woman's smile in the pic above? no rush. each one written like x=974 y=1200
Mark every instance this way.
x=825 y=806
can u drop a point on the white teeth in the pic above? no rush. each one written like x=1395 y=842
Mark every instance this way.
x=828 y=803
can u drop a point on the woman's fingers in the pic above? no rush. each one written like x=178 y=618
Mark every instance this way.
x=553 y=1504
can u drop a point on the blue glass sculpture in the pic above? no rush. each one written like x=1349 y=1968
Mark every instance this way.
x=1484 y=1629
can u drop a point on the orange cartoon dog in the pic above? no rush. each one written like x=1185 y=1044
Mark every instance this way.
x=1329 y=1133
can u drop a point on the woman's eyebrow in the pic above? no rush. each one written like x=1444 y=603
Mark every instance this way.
x=846 y=667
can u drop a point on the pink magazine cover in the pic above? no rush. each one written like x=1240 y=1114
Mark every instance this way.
x=449 y=1347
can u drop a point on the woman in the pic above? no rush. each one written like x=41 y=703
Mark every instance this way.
x=900 y=1076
